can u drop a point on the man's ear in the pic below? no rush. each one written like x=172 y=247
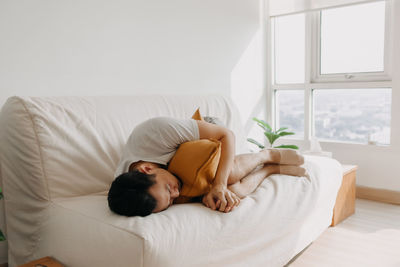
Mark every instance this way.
x=145 y=167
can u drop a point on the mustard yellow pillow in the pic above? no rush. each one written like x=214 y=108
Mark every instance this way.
x=196 y=163
x=197 y=116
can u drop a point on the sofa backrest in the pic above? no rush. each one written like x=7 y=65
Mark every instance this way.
x=63 y=147
x=57 y=147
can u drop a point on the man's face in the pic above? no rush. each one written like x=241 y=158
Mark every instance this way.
x=165 y=190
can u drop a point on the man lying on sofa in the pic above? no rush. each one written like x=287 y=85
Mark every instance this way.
x=145 y=184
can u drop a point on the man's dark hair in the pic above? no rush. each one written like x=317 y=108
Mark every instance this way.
x=129 y=195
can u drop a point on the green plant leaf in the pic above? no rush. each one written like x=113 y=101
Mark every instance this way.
x=255 y=142
x=287 y=146
x=1 y=193
x=285 y=133
x=282 y=129
x=275 y=136
x=2 y=237
x=263 y=124
x=271 y=137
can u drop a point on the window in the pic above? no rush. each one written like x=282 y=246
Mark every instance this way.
x=331 y=72
x=350 y=45
x=289 y=49
x=352 y=115
x=290 y=111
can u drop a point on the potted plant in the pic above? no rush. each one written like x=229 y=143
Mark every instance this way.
x=271 y=135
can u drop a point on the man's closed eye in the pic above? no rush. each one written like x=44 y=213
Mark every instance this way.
x=169 y=191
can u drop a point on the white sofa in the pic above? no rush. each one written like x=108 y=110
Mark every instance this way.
x=58 y=156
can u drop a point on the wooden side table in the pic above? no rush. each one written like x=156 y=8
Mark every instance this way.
x=346 y=197
x=43 y=262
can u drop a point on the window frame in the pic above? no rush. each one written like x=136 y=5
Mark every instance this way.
x=313 y=80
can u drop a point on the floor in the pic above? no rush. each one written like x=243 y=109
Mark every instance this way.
x=370 y=237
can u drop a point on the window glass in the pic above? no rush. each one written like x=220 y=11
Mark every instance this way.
x=352 y=39
x=353 y=115
x=290 y=111
x=289 y=48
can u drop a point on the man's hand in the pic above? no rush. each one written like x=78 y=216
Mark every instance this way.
x=221 y=198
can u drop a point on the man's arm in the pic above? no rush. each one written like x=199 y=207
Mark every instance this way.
x=220 y=197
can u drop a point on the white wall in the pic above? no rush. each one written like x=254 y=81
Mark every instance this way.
x=121 y=47
x=249 y=79
x=101 y=47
